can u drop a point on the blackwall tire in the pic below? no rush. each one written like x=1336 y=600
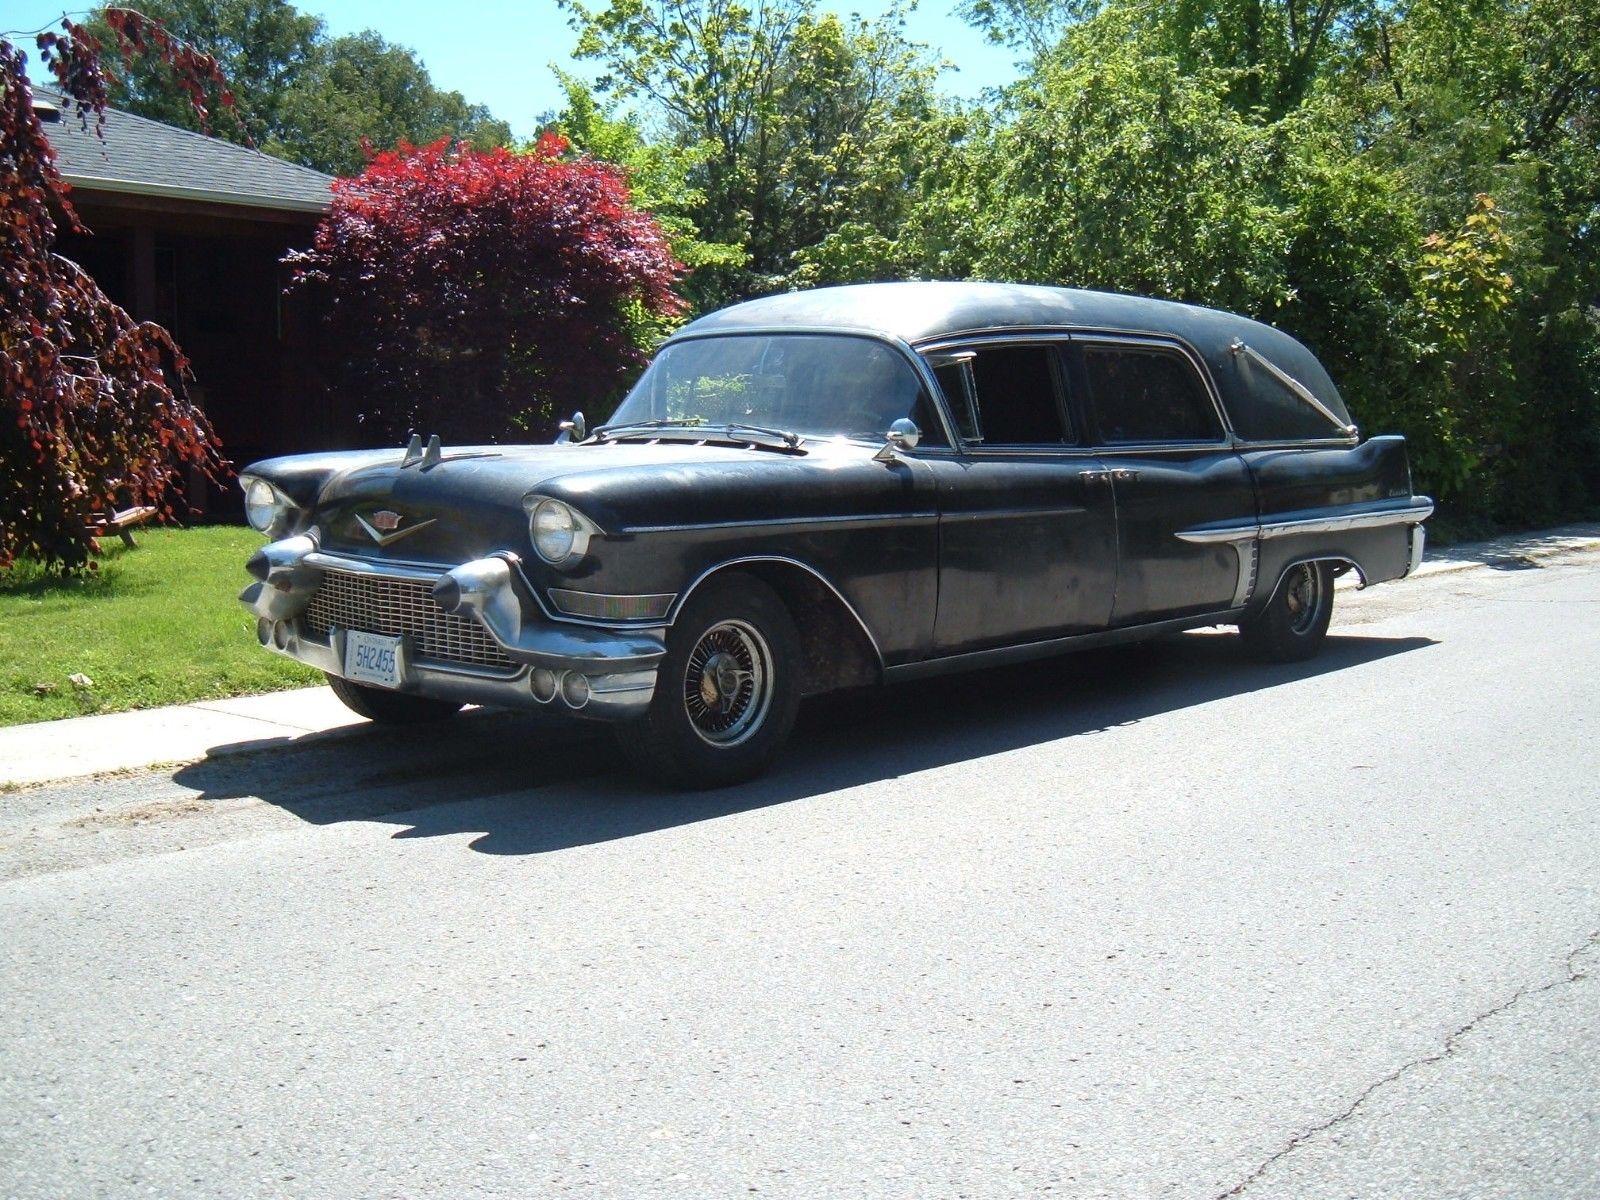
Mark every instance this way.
x=390 y=708
x=726 y=692
x=1295 y=621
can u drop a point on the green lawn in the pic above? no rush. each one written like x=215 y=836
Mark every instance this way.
x=155 y=625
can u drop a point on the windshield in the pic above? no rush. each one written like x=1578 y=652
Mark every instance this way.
x=813 y=384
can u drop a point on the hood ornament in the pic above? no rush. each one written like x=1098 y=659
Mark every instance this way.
x=416 y=454
x=383 y=526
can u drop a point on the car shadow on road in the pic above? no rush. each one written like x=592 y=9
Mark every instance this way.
x=529 y=785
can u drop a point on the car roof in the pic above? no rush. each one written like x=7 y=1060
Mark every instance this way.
x=921 y=312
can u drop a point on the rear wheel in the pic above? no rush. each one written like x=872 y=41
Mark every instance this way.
x=727 y=691
x=390 y=708
x=1295 y=621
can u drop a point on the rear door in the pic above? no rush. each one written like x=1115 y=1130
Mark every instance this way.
x=1027 y=529
x=1152 y=418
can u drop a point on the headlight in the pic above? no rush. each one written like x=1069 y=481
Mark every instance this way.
x=265 y=507
x=559 y=533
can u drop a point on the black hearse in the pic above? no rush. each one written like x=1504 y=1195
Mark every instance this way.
x=834 y=488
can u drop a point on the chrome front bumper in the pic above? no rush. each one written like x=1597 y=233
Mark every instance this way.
x=547 y=656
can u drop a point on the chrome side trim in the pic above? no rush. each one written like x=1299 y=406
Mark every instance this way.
x=1418 y=510
x=1001 y=655
x=1246 y=545
x=1332 y=442
x=994 y=514
x=1226 y=533
x=1411 y=514
x=1249 y=553
x=683 y=597
x=864 y=522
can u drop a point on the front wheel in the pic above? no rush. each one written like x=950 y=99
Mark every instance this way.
x=726 y=692
x=1295 y=621
x=390 y=708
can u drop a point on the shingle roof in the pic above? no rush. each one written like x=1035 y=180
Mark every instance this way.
x=145 y=157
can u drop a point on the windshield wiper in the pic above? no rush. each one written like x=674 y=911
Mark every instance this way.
x=699 y=429
x=660 y=423
x=789 y=439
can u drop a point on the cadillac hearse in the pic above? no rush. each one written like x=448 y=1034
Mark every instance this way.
x=838 y=488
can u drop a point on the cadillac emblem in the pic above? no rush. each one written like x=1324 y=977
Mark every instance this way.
x=383 y=526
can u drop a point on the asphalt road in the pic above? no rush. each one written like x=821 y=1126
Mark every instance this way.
x=1150 y=923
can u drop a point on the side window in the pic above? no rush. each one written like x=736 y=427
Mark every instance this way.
x=955 y=381
x=1147 y=395
x=1005 y=395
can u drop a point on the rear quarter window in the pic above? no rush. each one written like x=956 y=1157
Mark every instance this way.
x=1147 y=394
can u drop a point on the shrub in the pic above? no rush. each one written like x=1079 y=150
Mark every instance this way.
x=479 y=293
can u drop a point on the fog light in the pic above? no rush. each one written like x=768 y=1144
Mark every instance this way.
x=575 y=689
x=543 y=683
x=280 y=634
x=263 y=630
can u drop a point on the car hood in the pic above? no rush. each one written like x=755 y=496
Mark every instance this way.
x=470 y=502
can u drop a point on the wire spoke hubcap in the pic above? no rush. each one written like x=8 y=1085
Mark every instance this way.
x=727 y=686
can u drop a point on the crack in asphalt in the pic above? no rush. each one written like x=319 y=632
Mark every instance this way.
x=1451 y=1044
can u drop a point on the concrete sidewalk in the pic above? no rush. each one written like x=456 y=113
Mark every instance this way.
x=78 y=746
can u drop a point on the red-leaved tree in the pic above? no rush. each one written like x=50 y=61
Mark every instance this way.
x=94 y=413
x=477 y=294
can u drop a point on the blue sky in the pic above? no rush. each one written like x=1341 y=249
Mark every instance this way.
x=499 y=53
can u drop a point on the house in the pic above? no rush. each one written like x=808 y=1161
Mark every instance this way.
x=188 y=231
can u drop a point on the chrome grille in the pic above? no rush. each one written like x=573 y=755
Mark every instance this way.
x=395 y=607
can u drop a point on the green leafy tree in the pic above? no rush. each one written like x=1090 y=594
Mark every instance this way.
x=362 y=90
x=786 y=116
x=1033 y=26
x=661 y=175
x=298 y=93
x=1503 y=97
x=1327 y=166
x=1125 y=174
x=261 y=44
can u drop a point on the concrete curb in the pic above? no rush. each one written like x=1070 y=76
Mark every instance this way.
x=75 y=747
x=78 y=747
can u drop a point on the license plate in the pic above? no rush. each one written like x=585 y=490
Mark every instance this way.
x=372 y=658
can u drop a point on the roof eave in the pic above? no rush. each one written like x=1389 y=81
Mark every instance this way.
x=132 y=187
